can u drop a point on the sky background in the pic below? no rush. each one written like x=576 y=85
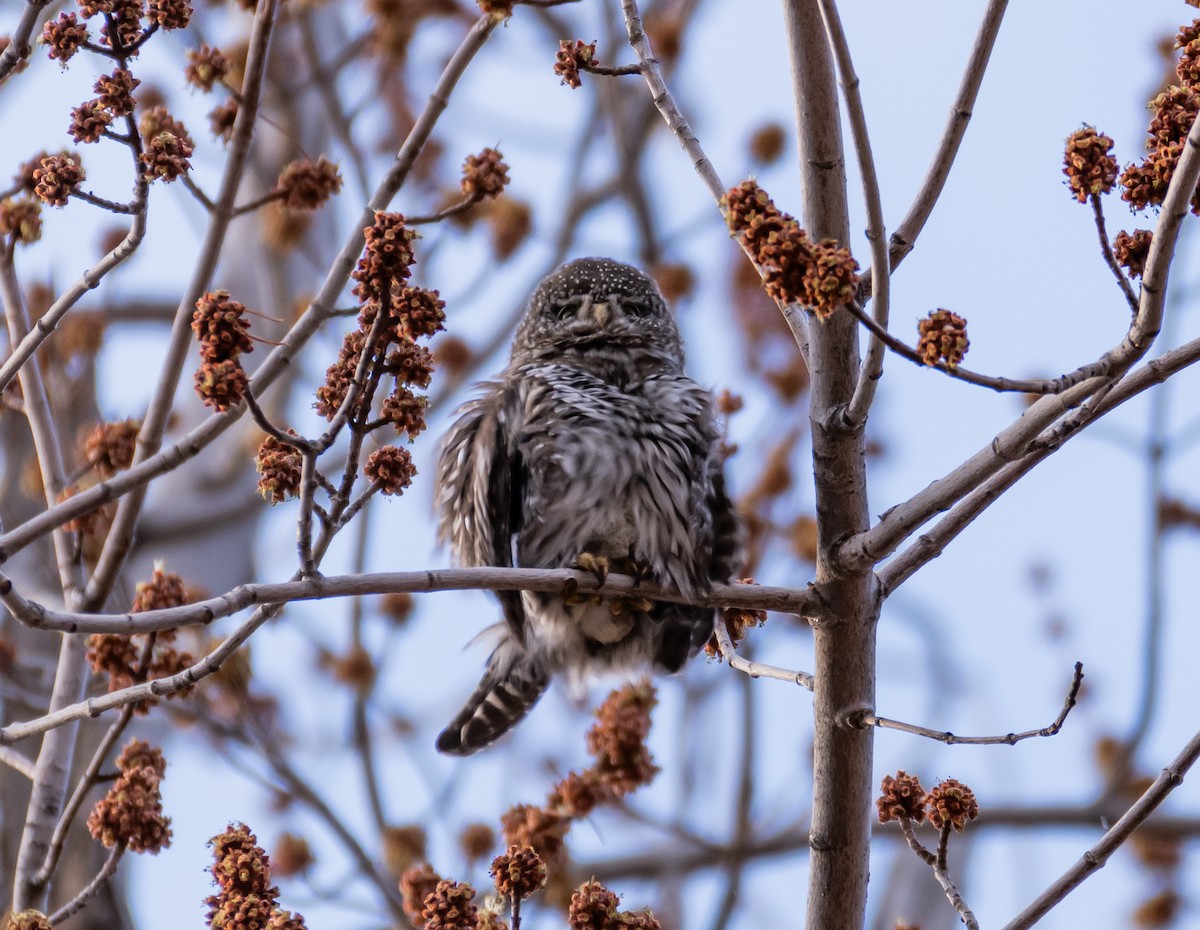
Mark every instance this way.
x=972 y=644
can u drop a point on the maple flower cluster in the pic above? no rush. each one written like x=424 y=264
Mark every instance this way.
x=943 y=337
x=126 y=660
x=949 y=804
x=131 y=813
x=245 y=898
x=223 y=335
x=822 y=276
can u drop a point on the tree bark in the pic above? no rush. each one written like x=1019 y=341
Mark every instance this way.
x=844 y=636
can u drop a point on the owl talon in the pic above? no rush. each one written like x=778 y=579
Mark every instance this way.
x=629 y=604
x=596 y=564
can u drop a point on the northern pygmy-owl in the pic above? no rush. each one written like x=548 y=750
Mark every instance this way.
x=593 y=450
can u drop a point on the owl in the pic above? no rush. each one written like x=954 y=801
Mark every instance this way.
x=592 y=451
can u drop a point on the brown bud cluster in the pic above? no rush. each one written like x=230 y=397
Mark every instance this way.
x=1145 y=184
x=1090 y=170
x=63 y=36
x=416 y=884
x=476 y=841
x=392 y=318
x=125 y=660
x=1132 y=249
x=573 y=57
x=594 y=907
x=518 y=872
x=279 y=467
x=206 y=67
x=901 y=798
x=223 y=335
x=617 y=740
x=169 y=14
x=484 y=175
x=391 y=469
x=167 y=145
x=951 y=802
x=245 y=899
x=56 y=177
x=29 y=919
x=89 y=121
x=114 y=92
x=543 y=831
x=305 y=185
x=498 y=8
x=822 y=276
x=737 y=621
x=450 y=906
x=221 y=119
x=621 y=764
x=21 y=218
x=1188 y=43
x=131 y=813
x=109 y=447
x=943 y=335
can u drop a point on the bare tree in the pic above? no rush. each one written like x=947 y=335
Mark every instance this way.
x=341 y=216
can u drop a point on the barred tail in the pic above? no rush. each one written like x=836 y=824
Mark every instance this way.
x=510 y=687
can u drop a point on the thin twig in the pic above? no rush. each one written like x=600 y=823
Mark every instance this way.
x=996 y=383
x=1097 y=857
x=120 y=536
x=756 y=669
x=950 y=739
x=665 y=103
x=454 y=210
x=19 y=46
x=611 y=71
x=905 y=236
x=930 y=544
x=937 y=863
x=1109 y=258
x=872 y=365
x=106 y=872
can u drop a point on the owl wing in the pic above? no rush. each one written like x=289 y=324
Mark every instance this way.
x=480 y=490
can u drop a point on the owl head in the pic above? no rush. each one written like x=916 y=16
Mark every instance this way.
x=596 y=312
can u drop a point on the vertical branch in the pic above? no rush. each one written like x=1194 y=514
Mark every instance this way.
x=845 y=638
x=116 y=546
x=53 y=767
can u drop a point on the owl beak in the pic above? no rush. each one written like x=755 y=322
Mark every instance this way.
x=601 y=313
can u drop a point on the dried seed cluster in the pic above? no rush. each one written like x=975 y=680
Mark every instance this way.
x=1145 y=184
x=279 y=466
x=305 y=185
x=109 y=447
x=901 y=798
x=56 y=177
x=245 y=899
x=1132 y=249
x=594 y=907
x=124 y=658
x=573 y=57
x=518 y=872
x=484 y=175
x=21 y=219
x=822 y=276
x=1090 y=170
x=131 y=813
x=622 y=763
x=206 y=67
x=949 y=803
x=943 y=336
x=223 y=335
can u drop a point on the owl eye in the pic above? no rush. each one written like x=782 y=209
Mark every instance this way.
x=565 y=308
x=636 y=307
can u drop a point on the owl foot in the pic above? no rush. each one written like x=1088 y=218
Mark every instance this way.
x=629 y=603
x=598 y=566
